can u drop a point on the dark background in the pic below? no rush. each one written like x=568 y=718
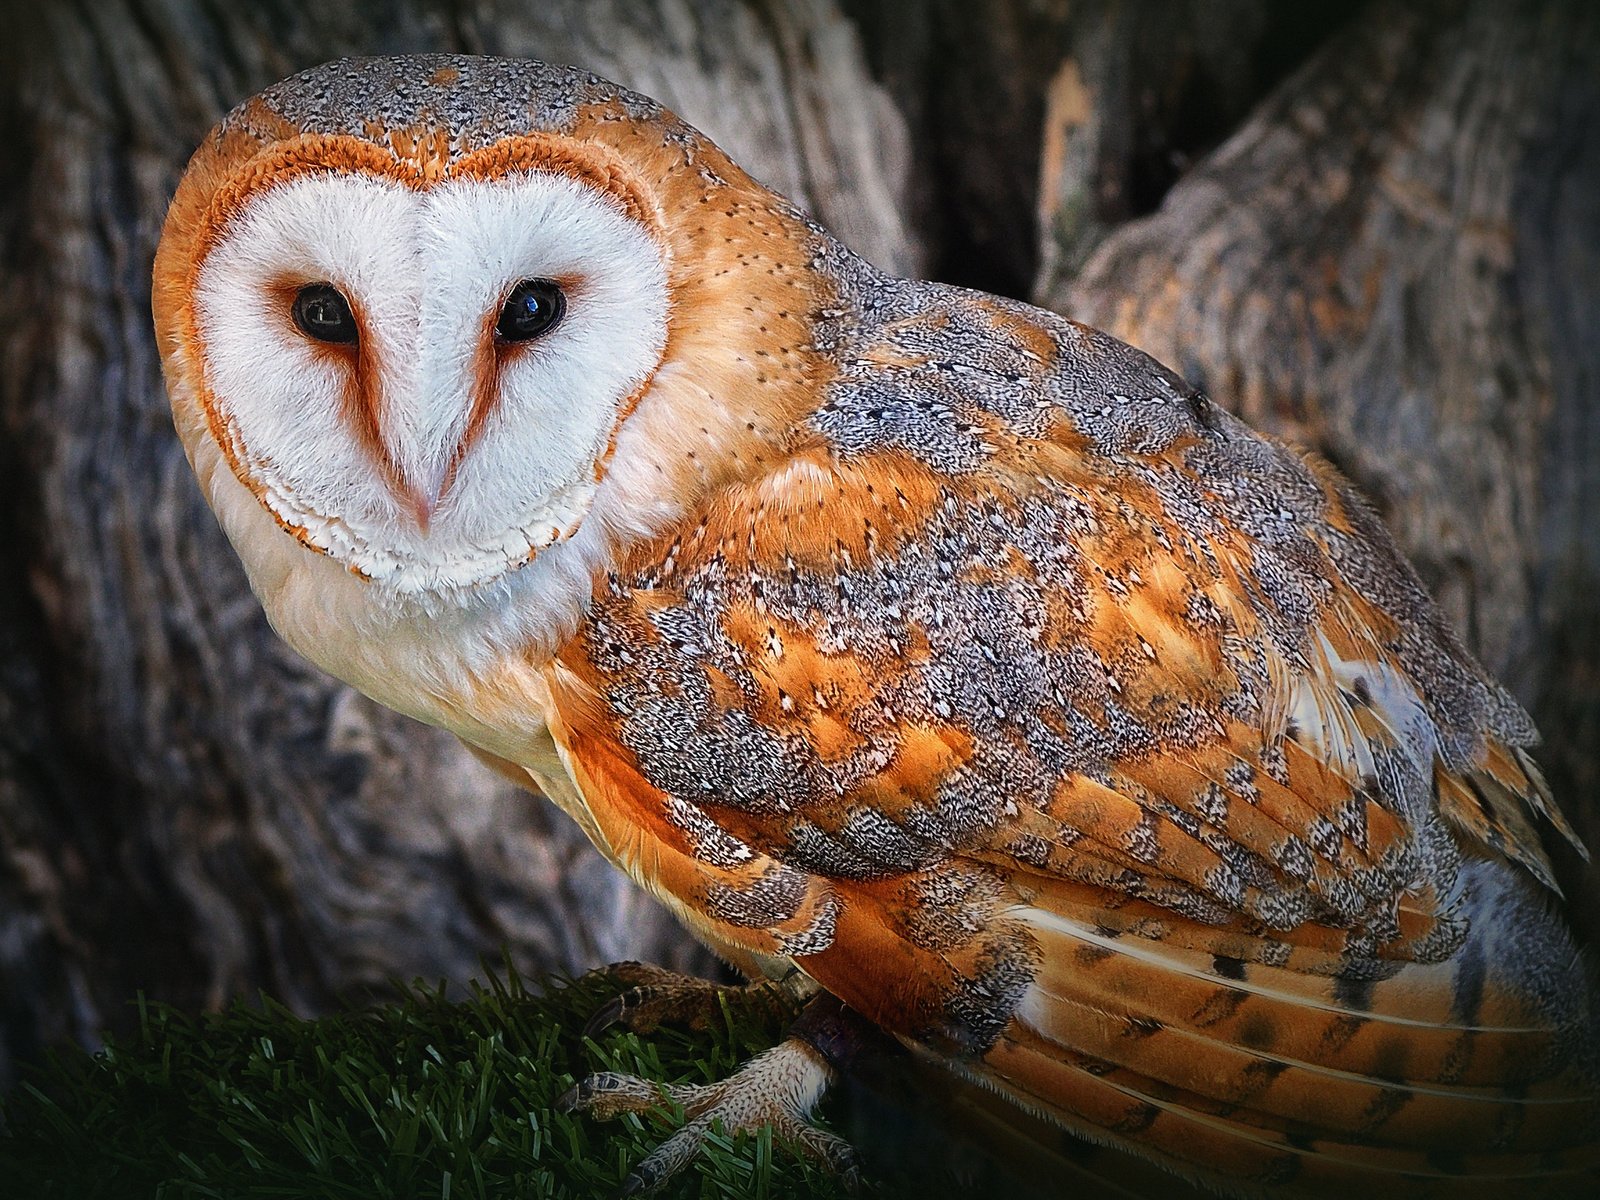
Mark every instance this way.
x=1372 y=228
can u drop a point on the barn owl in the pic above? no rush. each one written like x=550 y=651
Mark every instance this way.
x=951 y=662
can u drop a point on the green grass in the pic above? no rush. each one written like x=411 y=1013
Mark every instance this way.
x=423 y=1097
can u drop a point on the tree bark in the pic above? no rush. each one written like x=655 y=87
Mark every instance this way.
x=1073 y=116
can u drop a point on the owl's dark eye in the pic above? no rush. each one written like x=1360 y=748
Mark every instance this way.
x=324 y=314
x=532 y=308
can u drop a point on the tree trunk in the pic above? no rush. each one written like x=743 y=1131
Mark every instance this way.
x=1377 y=233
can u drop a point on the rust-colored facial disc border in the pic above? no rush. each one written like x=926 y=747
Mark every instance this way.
x=417 y=162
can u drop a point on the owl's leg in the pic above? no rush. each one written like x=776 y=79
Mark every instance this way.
x=777 y=1088
x=655 y=996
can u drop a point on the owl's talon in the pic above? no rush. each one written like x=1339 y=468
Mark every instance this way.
x=645 y=1008
x=612 y=1012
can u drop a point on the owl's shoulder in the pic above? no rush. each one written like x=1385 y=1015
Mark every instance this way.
x=1006 y=550
x=1003 y=401
x=935 y=368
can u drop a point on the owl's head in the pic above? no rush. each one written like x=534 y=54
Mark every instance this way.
x=416 y=312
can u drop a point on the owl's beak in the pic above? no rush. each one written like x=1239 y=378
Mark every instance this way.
x=422 y=496
x=425 y=438
x=422 y=508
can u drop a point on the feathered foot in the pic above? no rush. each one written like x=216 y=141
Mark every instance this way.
x=655 y=996
x=778 y=1088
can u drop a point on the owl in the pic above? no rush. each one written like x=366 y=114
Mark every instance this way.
x=953 y=664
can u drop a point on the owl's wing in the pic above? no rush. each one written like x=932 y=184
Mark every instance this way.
x=1144 y=783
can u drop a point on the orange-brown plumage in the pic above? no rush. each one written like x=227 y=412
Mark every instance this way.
x=968 y=662
x=1290 y=1007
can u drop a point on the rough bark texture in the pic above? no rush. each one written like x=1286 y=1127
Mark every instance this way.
x=1073 y=117
x=1378 y=232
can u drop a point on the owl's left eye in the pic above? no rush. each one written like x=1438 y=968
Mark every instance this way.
x=532 y=308
x=323 y=313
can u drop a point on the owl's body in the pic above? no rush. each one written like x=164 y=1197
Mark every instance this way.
x=953 y=653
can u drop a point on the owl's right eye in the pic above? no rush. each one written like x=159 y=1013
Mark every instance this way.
x=323 y=313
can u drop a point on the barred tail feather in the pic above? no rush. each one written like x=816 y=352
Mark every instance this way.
x=1467 y=1076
